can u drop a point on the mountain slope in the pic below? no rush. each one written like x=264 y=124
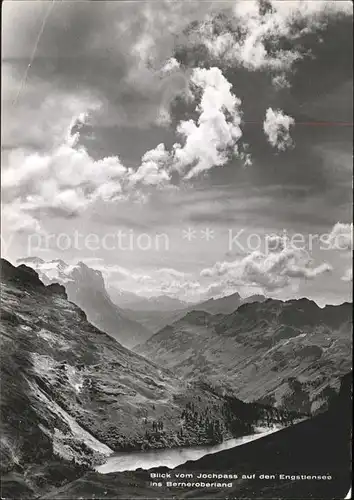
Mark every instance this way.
x=85 y=287
x=287 y=353
x=227 y=304
x=71 y=393
x=321 y=446
x=155 y=320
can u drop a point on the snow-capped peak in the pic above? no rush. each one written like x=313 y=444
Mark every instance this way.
x=55 y=270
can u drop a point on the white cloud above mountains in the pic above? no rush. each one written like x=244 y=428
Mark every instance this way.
x=170 y=65
x=153 y=170
x=341 y=239
x=246 y=43
x=67 y=179
x=15 y=220
x=276 y=127
x=218 y=127
x=155 y=282
x=277 y=268
x=252 y=34
x=341 y=236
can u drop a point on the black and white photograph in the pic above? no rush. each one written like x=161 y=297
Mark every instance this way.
x=176 y=249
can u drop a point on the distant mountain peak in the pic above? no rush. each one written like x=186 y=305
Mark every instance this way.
x=135 y=302
x=60 y=262
x=82 y=273
x=33 y=260
x=86 y=288
x=83 y=265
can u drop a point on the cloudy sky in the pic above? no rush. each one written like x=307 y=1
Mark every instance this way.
x=187 y=148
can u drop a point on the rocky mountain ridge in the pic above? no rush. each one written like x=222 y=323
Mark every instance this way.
x=155 y=320
x=284 y=353
x=134 y=302
x=86 y=288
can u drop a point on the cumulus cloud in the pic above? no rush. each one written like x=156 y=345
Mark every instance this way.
x=170 y=272
x=341 y=236
x=280 y=82
x=170 y=65
x=168 y=281
x=296 y=271
x=256 y=35
x=209 y=140
x=341 y=239
x=153 y=168
x=115 y=274
x=66 y=180
x=275 y=269
x=276 y=127
x=245 y=44
x=13 y=216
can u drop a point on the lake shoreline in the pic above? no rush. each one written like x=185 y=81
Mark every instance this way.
x=173 y=457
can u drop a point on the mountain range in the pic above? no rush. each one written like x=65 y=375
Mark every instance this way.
x=71 y=394
x=86 y=288
x=109 y=308
x=156 y=319
x=289 y=354
x=134 y=302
